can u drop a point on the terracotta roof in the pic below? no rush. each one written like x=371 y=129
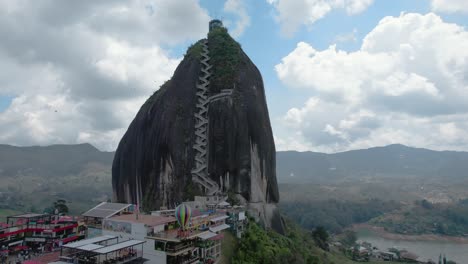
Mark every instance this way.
x=149 y=220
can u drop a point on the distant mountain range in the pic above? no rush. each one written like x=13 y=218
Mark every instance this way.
x=292 y=166
x=389 y=161
x=50 y=161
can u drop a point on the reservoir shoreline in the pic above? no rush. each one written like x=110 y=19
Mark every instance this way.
x=424 y=237
x=425 y=246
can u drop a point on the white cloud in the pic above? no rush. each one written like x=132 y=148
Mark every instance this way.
x=294 y=13
x=395 y=89
x=79 y=72
x=237 y=7
x=346 y=37
x=450 y=6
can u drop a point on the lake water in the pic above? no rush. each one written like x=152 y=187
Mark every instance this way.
x=425 y=249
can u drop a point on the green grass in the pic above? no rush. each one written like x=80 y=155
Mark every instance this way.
x=229 y=247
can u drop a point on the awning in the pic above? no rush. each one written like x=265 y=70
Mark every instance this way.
x=15 y=243
x=119 y=246
x=224 y=204
x=69 y=239
x=90 y=247
x=206 y=235
x=219 y=228
x=17 y=248
x=219 y=218
x=89 y=241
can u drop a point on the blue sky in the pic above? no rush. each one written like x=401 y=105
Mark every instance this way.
x=68 y=68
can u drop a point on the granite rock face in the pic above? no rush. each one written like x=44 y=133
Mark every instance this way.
x=154 y=160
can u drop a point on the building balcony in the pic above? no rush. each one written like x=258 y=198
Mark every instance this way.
x=179 y=249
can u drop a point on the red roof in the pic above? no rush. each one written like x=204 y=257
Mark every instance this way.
x=68 y=239
x=63 y=219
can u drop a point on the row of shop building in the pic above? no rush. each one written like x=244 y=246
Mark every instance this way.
x=116 y=233
x=41 y=232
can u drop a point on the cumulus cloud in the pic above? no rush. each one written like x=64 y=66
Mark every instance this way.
x=79 y=71
x=347 y=37
x=397 y=88
x=238 y=8
x=292 y=14
x=450 y=6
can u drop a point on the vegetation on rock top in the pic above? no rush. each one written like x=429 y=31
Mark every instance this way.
x=225 y=55
x=195 y=50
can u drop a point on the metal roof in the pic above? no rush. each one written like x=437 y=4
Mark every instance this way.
x=90 y=247
x=29 y=215
x=206 y=235
x=219 y=218
x=105 y=210
x=119 y=246
x=219 y=228
x=93 y=240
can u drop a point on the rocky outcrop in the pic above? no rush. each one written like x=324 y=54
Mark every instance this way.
x=156 y=161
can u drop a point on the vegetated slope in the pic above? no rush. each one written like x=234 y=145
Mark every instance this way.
x=335 y=215
x=422 y=217
x=297 y=246
x=392 y=160
x=50 y=161
x=75 y=169
x=31 y=178
x=389 y=161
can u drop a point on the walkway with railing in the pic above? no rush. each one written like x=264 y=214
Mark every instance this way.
x=200 y=171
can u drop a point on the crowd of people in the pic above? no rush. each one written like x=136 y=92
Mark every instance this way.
x=19 y=254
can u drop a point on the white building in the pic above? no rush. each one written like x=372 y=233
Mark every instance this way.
x=139 y=227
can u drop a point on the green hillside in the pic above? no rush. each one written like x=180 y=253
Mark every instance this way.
x=258 y=246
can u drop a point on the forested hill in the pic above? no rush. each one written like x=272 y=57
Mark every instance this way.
x=292 y=166
x=51 y=161
x=389 y=161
